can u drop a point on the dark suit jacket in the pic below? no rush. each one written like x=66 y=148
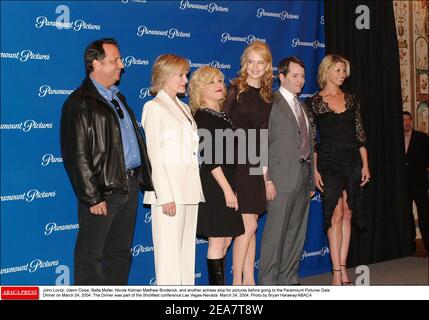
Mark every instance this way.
x=417 y=160
x=284 y=141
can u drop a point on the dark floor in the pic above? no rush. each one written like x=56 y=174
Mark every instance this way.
x=420 y=249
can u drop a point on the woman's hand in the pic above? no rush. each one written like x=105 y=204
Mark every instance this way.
x=318 y=180
x=365 y=175
x=231 y=199
x=169 y=209
x=270 y=190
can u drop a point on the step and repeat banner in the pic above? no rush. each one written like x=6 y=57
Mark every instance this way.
x=42 y=44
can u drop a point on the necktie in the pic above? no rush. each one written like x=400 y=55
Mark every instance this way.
x=303 y=130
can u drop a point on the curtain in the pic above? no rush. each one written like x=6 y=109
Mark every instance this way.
x=375 y=78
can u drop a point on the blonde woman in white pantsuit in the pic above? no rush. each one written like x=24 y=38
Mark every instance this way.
x=172 y=143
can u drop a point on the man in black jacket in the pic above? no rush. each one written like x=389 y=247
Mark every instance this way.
x=107 y=163
x=416 y=162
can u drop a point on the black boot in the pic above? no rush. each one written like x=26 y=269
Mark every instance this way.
x=216 y=272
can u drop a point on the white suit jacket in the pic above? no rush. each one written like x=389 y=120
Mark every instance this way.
x=172 y=144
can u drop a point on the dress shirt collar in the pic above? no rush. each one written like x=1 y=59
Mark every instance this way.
x=107 y=94
x=287 y=95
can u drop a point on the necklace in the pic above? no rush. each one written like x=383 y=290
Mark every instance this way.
x=219 y=114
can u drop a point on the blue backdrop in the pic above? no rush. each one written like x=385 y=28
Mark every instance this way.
x=42 y=44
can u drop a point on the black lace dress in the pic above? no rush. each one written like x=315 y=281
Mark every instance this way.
x=338 y=158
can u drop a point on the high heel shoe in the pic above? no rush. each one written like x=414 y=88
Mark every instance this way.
x=346 y=283
x=335 y=270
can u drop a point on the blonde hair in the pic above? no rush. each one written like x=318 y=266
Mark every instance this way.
x=326 y=64
x=240 y=82
x=199 y=80
x=164 y=67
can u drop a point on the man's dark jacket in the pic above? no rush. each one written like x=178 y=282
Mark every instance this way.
x=91 y=146
x=417 y=160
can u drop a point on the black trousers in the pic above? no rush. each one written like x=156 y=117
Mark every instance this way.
x=102 y=253
x=421 y=199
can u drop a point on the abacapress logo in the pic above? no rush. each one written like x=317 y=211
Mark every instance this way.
x=20 y=293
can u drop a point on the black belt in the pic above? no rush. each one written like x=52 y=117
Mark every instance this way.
x=132 y=172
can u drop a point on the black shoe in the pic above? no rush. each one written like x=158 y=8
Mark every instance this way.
x=346 y=283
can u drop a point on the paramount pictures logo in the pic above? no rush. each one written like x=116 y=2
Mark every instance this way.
x=281 y=15
x=31 y=267
x=77 y=25
x=148 y=217
x=210 y=7
x=49 y=158
x=26 y=126
x=170 y=33
x=45 y=90
x=214 y=63
x=24 y=55
x=53 y=227
x=247 y=39
x=29 y=196
x=139 y=249
x=322 y=252
x=144 y=93
x=296 y=42
x=130 y=60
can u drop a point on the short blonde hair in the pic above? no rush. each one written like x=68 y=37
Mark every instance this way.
x=199 y=80
x=326 y=64
x=164 y=67
x=240 y=82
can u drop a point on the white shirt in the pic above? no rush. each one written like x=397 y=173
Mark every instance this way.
x=289 y=98
x=407 y=136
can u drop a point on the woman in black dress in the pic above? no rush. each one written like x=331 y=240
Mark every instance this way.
x=248 y=104
x=218 y=218
x=340 y=159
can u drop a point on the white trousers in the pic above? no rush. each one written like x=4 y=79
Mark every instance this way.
x=174 y=245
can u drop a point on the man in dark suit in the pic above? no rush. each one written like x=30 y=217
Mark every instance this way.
x=289 y=182
x=416 y=163
x=107 y=163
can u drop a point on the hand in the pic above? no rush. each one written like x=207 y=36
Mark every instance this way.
x=365 y=176
x=312 y=193
x=318 y=180
x=231 y=200
x=169 y=209
x=99 y=209
x=270 y=190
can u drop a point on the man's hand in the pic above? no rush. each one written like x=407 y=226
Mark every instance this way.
x=99 y=209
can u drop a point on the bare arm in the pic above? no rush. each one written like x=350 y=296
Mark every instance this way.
x=317 y=177
x=230 y=197
x=365 y=169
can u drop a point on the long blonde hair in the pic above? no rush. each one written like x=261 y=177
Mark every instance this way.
x=327 y=63
x=240 y=82
x=199 y=80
